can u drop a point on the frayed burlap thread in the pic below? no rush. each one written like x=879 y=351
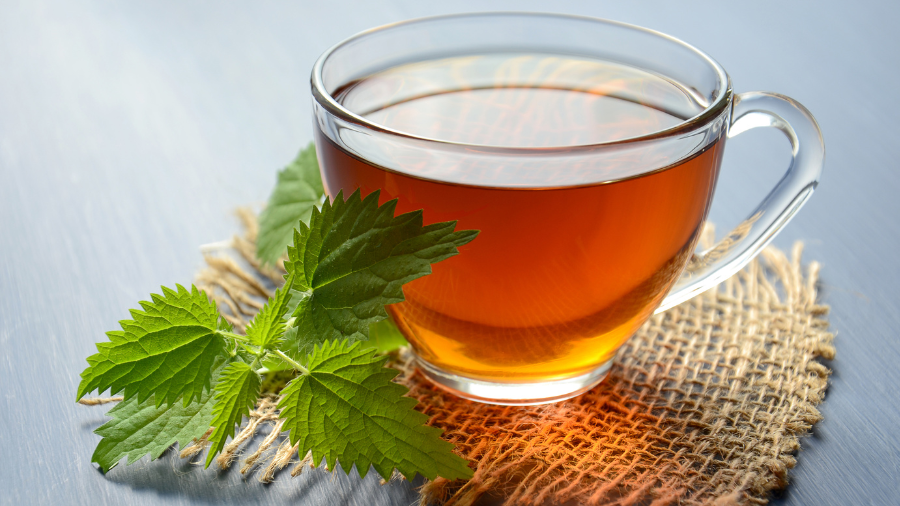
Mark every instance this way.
x=704 y=405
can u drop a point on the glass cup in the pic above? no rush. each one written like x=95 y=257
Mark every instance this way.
x=585 y=230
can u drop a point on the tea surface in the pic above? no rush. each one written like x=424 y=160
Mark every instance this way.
x=558 y=277
x=521 y=100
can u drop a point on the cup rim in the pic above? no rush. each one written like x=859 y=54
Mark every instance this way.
x=712 y=111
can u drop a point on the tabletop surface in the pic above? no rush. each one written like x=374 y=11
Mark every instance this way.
x=130 y=131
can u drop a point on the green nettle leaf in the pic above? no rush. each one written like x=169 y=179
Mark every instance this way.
x=225 y=325
x=266 y=330
x=348 y=260
x=236 y=393
x=385 y=336
x=139 y=428
x=167 y=350
x=347 y=409
x=352 y=259
x=298 y=190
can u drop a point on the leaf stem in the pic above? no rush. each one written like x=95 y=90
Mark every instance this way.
x=293 y=363
x=232 y=335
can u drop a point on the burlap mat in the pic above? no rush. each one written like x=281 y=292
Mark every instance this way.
x=705 y=404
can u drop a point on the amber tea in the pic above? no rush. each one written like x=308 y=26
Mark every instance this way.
x=560 y=275
x=585 y=151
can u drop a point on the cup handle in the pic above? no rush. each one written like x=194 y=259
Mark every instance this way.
x=752 y=110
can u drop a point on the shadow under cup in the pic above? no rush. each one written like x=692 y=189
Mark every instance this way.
x=584 y=151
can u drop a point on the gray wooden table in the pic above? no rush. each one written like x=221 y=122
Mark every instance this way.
x=129 y=131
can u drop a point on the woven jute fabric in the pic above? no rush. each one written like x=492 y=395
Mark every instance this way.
x=704 y=405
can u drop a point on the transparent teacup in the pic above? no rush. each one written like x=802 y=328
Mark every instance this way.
x=585 y=151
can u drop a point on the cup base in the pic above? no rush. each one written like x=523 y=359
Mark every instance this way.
x=514 y=394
